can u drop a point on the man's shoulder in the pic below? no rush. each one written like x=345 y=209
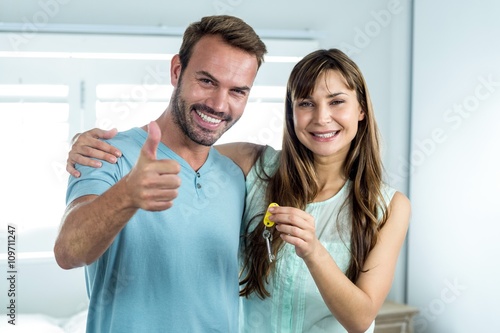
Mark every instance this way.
x=223 y=162
x=129 y=139
x=134 y=133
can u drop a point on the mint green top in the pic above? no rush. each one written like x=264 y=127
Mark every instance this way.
x=295 y=304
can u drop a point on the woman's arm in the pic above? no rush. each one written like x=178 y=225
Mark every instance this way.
x=354 y=305
x=244 y=154
x=88 y=146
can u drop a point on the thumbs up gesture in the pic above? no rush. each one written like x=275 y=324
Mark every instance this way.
x=152 y=184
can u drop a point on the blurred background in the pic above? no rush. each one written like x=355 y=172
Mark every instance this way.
x=433 y=69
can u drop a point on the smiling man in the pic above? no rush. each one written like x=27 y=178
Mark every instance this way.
x=158 y=231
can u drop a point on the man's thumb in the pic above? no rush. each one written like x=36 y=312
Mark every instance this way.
x=153 y=140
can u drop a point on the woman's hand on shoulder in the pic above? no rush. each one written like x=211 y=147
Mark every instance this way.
x=88 y=146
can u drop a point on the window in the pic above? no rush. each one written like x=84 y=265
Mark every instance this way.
x=61 y=84
x=33 y=131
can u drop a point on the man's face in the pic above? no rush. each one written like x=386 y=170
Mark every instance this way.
x=212 y=91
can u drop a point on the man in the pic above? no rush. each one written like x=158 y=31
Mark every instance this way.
x=158 y=231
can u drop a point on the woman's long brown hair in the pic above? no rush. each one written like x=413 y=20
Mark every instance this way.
x=295 y=181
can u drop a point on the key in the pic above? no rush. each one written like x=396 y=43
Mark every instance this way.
x=268 y=237
x=268 y=223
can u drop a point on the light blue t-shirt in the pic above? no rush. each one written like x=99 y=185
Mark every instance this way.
x=295 y=305
x=174 y=270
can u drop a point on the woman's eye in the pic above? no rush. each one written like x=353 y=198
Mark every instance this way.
x=336 y=102
x=304 y=104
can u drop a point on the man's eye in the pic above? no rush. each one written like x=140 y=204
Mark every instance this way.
x=206 y=81
x=240 y=92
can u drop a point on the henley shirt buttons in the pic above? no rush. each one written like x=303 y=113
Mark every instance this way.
x=198 y=185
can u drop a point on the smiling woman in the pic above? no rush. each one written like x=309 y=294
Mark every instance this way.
x=327 y=121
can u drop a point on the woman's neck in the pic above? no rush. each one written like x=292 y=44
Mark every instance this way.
x=331 y=178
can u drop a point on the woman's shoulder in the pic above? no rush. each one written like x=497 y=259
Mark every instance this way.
x=270 y=155
x=267 y=161
x=388 y=192
x=395 y=199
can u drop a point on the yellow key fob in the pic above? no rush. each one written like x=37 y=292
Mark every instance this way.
x=266 y=221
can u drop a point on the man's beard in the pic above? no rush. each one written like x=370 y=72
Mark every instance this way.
x=195 y=133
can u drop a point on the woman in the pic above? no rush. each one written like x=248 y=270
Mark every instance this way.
x=338 y=228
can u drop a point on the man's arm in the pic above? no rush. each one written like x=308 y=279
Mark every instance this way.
x=92 y=222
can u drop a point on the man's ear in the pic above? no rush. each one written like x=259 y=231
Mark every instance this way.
x=175 y=70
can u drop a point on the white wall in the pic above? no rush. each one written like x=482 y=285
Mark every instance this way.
x=375 y=34
x=455 y=180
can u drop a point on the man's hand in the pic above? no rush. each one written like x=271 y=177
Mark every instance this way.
x=152 y=184
x=87 y=146
x=91 y=222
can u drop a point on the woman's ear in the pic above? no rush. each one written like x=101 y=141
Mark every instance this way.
x=361 y=115
x=175 y=70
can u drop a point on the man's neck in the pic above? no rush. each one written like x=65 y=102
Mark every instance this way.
x=173 y=137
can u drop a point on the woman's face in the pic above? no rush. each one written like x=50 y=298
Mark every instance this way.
x=327 y=121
